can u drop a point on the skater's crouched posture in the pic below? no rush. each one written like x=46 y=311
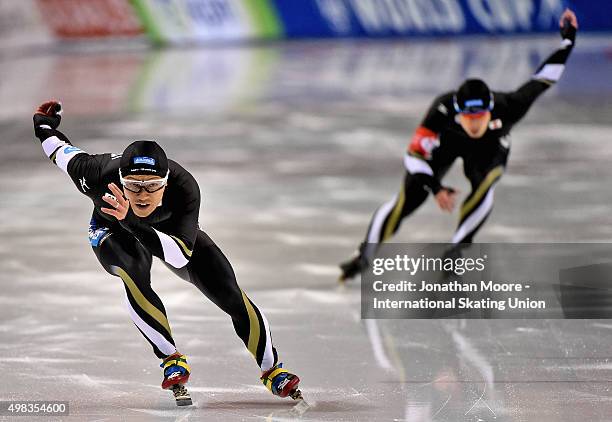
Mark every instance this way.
x=158 y=216
x=472 y=123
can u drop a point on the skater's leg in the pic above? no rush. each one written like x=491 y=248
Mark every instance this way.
x=388 y=217
x=384 y=223
x=123 y=256
x=211 y=272
x=478 y=205
x=483 y=166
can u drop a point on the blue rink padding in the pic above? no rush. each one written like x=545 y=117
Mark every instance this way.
x=396 y=18
x=586 y=70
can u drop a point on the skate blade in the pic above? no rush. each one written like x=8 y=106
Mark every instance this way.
x=301 y=407
x=296 y=394
x=181 y=395
x=184 y=401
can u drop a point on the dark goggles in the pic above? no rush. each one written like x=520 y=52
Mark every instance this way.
x=151 y=186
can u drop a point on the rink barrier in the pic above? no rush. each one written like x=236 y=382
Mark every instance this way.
x=213 y=21
x=400 y=18
x=197 y=21
x=68 y=19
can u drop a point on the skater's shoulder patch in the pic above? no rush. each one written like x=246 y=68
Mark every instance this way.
x=97 y=236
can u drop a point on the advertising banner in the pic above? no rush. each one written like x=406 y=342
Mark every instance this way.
x=193 y=21
x=388 y=18
x=92 y=18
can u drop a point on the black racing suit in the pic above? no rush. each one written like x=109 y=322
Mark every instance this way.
x=125 y=248
x=440 y=140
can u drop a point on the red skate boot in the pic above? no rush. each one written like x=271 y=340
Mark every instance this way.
x=176 y=374
x=281 y=382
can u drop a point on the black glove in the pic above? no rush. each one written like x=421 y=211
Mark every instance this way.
x=49 y=114
x=568 y=31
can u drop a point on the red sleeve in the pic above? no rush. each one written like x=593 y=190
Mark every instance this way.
x=423 y=143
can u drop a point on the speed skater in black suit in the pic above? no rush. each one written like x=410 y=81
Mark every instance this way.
x=473 y=123
x=155 y=213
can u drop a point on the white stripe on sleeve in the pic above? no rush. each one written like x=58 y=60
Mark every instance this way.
x=416 y=165
x=52 y=143
x=550 y=72
x=65 y=154
x=173 y=254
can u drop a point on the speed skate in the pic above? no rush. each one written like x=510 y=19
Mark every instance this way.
x=181 y=395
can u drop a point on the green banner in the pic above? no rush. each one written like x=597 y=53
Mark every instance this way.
x=203 y=21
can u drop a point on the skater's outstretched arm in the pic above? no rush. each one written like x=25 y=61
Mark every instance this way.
x=549 y=72
x=83 y=168
x=174 y=242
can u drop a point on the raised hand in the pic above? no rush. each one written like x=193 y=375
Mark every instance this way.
x=119 y=203
x=569 y=16
x=568 y=25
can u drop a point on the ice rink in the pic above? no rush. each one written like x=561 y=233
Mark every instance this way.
x=294 y=146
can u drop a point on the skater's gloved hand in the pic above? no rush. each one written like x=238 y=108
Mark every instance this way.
x=119 y=203
x=446 y=199
x=49 y=114
x=568 y=24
